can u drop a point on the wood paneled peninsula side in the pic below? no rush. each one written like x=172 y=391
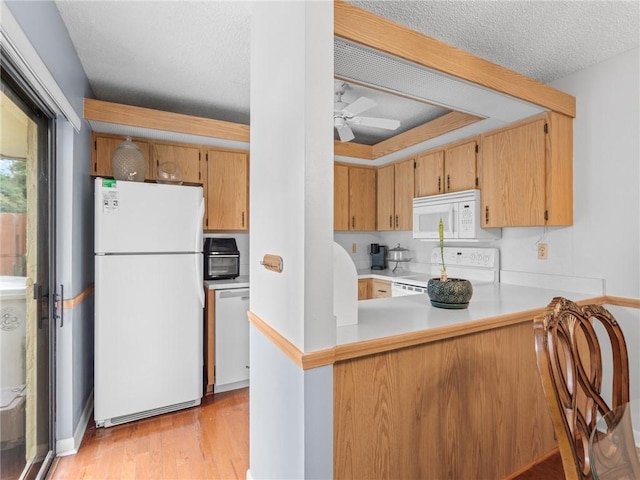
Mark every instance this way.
x=429 y=393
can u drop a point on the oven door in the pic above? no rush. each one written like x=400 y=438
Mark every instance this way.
x=426 y=219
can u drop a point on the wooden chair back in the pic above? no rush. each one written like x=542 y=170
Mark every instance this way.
x=569 y=358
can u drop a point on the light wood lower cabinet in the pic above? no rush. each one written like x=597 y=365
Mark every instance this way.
x=364 y=288
x=209 y=340
x=466 y=407
x=380 y=288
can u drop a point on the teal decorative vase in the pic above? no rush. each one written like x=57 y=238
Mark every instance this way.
x=453 y=293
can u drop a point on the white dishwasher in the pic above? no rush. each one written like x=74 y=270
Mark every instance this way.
x=231 y=339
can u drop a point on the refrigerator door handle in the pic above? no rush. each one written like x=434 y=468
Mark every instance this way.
x=199 y=226
x=199 y=277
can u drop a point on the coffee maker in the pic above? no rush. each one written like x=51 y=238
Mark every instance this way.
x=378 y=257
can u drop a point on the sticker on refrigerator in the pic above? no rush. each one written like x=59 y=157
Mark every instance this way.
x=110 y=201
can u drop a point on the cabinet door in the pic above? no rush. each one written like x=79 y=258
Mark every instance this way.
x=429 y=174
x=340 y=197
x=403 y=198
x=364 y=289
x=513 y=176
x=385 y=198
x=460 y=167
x=186 y=158
x=380 y=288
x=103 y=148
x=227 y=190
x=362 y=199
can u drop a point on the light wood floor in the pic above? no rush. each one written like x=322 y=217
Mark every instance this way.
x=210 y=441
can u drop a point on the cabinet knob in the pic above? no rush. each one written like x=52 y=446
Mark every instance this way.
x=439 y=183
x=396 y=221
x=390 y=221
x=353 y=222
x=448 y=183
x=486 y=215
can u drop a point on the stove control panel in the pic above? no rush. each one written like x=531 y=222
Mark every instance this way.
x=467 y=257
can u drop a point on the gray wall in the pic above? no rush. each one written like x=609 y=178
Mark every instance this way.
x=42 y=24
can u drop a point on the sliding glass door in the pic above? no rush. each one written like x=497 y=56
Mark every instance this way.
x=27 y=279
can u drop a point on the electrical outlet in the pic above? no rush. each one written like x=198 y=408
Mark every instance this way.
x=354 y=248
x=542 y=251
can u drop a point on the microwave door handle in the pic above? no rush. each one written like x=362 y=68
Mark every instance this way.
x=452 y=215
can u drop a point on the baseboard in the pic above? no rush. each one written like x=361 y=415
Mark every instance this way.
x=70 y=446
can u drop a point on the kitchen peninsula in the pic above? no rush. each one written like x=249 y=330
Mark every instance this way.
x=424 y=392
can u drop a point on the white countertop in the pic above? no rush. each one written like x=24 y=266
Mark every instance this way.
x=385 y=317
x=239 y=282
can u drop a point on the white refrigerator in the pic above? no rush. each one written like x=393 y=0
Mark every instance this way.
x=149 y=299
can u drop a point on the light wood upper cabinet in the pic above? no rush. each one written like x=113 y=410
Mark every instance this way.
x=428 y=173
x=386 y=198
x=227 y=190
x=103 y=147
x=404 y=187
x=395 y=196
x=354 y=198
x=527 y=173
x=186 y=157
x=340 y=197
x=362 y=199
x=460 y=166
x=449 y=170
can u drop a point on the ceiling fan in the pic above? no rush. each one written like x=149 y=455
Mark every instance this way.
x=346 y=114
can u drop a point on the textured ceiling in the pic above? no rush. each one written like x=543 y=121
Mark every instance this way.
x=193 y=57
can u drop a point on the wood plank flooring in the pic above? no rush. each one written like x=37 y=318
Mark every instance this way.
x=210 y=441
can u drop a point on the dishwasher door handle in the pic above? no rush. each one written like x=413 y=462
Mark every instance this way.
x=234 y=293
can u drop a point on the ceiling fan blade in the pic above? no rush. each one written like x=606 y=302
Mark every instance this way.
x=345 y=133
x=386 y=123
x=359 y=106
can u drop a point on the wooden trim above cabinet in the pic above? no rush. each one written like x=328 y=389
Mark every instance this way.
x=360 y=26
x=101 y=111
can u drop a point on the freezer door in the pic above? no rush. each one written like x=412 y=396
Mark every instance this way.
x=134 y=217
x=148 y=333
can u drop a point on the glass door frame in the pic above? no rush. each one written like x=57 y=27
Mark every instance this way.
x=46 y=295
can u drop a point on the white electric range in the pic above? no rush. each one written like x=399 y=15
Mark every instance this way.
x=480 y=266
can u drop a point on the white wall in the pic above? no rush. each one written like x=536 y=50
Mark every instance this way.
x=604 y=240
x=291 y=215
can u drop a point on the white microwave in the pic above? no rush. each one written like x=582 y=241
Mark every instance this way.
x=460 y=214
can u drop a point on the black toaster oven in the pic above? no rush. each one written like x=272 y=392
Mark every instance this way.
x=221 y=258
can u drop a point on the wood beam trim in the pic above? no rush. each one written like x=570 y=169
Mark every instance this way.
x=357 y=150
x=439 y=126
x=360 y=26
x=108 y=112
x=305 y=361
